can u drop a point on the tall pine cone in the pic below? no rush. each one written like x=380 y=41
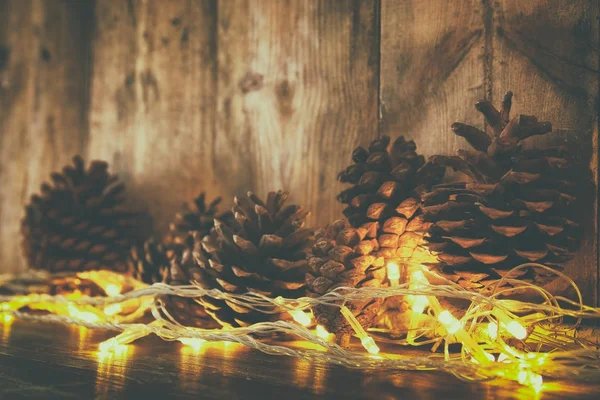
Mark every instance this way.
x=78 y=222
x=384 y=199
x=516 y=205
x=148 y=263
x=263 y=251
x=196 y=217
x=343 y=256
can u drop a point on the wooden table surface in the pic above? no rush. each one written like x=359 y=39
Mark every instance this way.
x=54 y=361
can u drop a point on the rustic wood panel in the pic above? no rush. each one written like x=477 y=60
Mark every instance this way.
x=44 y=60
x=439 y=57
x=154 y=96
x=431 y=70
x=548 y=53
x=297 y=92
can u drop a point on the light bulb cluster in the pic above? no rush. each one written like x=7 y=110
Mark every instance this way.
x=484 y=329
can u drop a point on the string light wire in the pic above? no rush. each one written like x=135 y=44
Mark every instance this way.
x=548 y=347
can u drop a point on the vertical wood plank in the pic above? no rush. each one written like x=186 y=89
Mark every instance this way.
x=549 y=56
x=438 y=58
x=153 y=100
x=44 y=70
x=298 y=85
x=431 y=70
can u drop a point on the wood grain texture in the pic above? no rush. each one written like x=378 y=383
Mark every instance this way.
x=55 y=361
x=431 y=70
x=297 y=92
x=438 y=58
x=44 y=96
x=547 y=53
x=153 y=100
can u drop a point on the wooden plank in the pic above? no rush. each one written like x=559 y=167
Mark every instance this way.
x=549 y=57
x=153 y=103
x=297 y=92
x=56 y=361
x=44 y=61
x=431 y=70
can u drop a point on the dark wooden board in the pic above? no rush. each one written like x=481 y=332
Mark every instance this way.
x=51 y=361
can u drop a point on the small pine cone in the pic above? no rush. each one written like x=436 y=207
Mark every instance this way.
x=184 y=271
x=516 y=206
x=344 y=256
x=148 y=263
x=262 y=251
x=78 y=223
x=196 y=217
x=384 y=198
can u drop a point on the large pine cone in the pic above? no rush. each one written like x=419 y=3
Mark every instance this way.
x=149 y=263
x=263 y=251
x=343 y=256
x=384 y=199
x=196 y=217
x=78 y=223
x=516 y=205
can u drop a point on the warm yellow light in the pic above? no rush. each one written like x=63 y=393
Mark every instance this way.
x=531 y=379
x=369 y=344
x=419 y=304
x=82 y=315
x=517 y=330
x=419 y=276
x=194 y=343
x=108 y=345
x=323 y=333
x=492 y=330
x=113 y=309
x=301 y=317
x=393 y=273
x=8 y=318
x=502 y=357
x=113 y=289
x=451 y=324
x=366 y=340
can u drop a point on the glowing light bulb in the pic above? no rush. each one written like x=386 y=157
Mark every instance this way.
x=369 y=344
x=8 y=318
x=419 y=304
x=113 y=289
x=301 y=317
x=113 y=309
x=492 y=330
x=517 y=330
x=366 y=340
x=531 y=379
x=418 y=276
x=108 y=345
x=393 y=273
x=323 y=333
x=451 y=324
x=82 y=315
x=194 y=343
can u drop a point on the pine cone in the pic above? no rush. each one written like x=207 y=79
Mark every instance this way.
x=263 y=251
x=184 y=270
x=196 y=217
x=344 y=256
x=384 y=199
x=516 y=205
x=78 y=223
x=148 y=263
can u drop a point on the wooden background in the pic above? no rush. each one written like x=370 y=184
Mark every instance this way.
x=228 y=96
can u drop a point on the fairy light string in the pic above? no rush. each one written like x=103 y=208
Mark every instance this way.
x=486 y=329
